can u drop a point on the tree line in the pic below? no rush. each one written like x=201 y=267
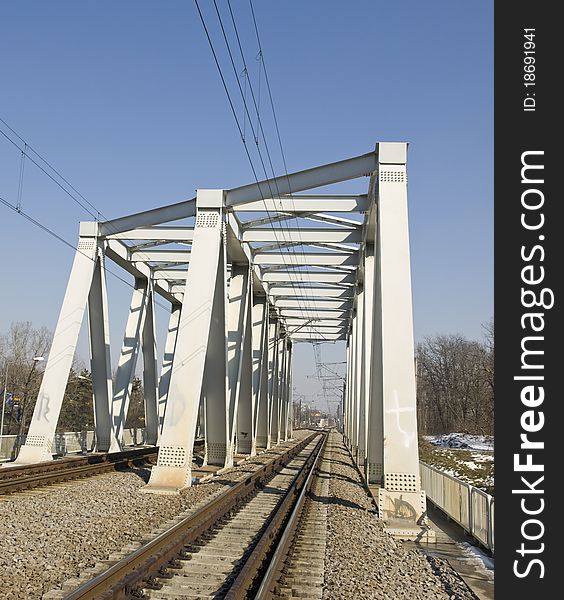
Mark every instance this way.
x=21 y=369
x=455 y=384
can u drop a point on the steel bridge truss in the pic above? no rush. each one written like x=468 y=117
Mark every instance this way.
x=248 y=272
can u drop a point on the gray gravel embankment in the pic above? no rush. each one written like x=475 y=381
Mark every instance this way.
x=364 y=563
x=51 y=534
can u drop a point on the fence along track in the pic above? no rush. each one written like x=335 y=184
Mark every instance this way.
x=221 y=548
x=470 y=507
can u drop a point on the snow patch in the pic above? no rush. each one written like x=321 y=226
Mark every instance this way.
x=463 y=441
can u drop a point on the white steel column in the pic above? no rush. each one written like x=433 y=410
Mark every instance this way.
x=271 y=364
x=100 y=359
x=346 y=408
x=274 y=387
x=260 y=371
x=38 y=446
x=201 y=343
x=290 y=394
x=166 y=368
x=128 y=359
x=401 y=498
x=375 y=433
x=354 y=387
x=283 y=392
x=239 y=358
x=150 y=382
x=360 y=382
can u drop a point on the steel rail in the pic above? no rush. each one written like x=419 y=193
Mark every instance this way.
x=44 y=474
x=280 y=554
x=126 y=576
x=277 y=536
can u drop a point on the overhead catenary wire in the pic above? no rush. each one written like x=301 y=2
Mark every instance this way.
x=234 y=112
x=61 y=239
x=275 y=118
x=18 y=206
x=24 y=151
x=291 y=254
x=256 y=102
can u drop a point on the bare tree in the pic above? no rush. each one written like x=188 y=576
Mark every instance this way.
x=18 y=349
x=455 y=384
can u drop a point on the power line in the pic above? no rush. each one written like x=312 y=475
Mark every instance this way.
x=231 y=104
x=18 y=206
x=53 y=179
x=67 y=243
x=263 y=63
x=283 y=226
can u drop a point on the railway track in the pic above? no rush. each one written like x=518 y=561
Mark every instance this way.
x=25 y=477
x=17 y=479
x=232 y=547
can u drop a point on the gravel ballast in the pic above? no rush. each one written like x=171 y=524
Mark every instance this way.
x=52 y=534
x=362 y=561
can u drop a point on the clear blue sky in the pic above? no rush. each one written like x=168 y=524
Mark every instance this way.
x=124 y=98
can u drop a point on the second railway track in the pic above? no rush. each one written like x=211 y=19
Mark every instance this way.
x=224 y=549
x=26 y=477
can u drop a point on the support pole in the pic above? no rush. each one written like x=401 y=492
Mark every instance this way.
x=166 y=368
x=283 y=391
x=128 y=358
x=290 y=400
x=260 y=371
x=354 y=386
x=239 y=358
x=360 y=382
x=150 y=382
x=273 y=353
x=100 y=359
x=373 y=309
x=201 y=350
x=38 y=445
x=261 y=327
x=401 y=501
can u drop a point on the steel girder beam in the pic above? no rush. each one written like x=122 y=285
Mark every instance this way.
x=319 y=337
x=314 y=313
x=307 y=304
x=305 y=259
x=343 y=170
x=308 y=277
x=304 y=236
x=161 y=234
x=170 y=274
x=118 y=253
x=292 y=324
x=155 y=216
x=401 y=456
x=168 y=256
x=317 y=292
x=309 y=203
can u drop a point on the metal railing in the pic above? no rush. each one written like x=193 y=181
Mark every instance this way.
x=470 y=507
x=68 y=442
